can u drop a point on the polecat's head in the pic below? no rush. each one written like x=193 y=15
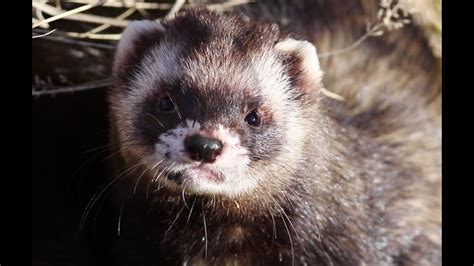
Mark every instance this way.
x=214 y=104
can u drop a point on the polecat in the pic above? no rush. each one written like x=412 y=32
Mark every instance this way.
x=234 y=156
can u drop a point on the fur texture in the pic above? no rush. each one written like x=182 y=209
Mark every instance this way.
x=320 y=182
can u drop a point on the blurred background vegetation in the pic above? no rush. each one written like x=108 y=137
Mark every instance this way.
x=85 y=32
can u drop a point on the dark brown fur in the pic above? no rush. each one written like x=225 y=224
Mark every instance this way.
x=376 y=156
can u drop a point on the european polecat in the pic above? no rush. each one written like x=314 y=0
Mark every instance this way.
x=229 y=152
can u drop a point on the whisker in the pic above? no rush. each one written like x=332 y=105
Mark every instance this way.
x=177 y=109
x=148 y=187
x=155 y=174
x=93 y=157
x=296 y=232
x=138 y=181
x=291 y=242
x=119 y=220
x=191 y=211
x=174 y=221
x=103 y=147
x=99 y=208
x=155 y=165
x=99 y=193
x=158 y=189
x=274 y=226
x=111 y=155
x=213 y=202
x=282 y=210
x=205 y=235
x=164 y=169
x=155 y=179
x=141 y=175
x=89 y=161
x=167 y=172
x=156 y=119
x=182 y=194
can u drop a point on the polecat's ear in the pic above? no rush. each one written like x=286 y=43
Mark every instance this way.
x=136 y=39
x=302 y=63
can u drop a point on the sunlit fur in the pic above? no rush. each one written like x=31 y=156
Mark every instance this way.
x=323 y=182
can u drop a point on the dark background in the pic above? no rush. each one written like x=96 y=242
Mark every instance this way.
x=69 y=133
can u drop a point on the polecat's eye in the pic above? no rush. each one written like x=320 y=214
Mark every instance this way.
x=166 y=104
x=253 y=119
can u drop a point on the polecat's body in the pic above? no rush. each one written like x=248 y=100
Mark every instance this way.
x=254 y=165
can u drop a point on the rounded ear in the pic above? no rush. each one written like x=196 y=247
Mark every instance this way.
x=302 y=63
x=135 y=41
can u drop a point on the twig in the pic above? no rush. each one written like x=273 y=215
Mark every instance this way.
x=176 y=7
x=128 y=4
x=65 y=14
x=227 y=5
x=332 y=95
x=40 y=16
x=78 y=42
x=114 y=37
x=389 y=17
x=122 y=16
x=70 y=15
x=44 y=34
x=162 y=6
x=75 y=88
x=372 y=31
x=143 y=12
x=35 y=20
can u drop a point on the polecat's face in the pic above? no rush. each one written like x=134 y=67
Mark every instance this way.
x=211 y=104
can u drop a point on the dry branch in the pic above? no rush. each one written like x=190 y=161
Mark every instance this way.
x=128 y=4
x=70 y=89
x=74 y=15
x=44 y=34
x=176 y=7
x=77 y=42
x=389 y=17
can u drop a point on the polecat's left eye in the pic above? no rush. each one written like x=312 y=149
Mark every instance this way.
x=253 y=119
x=166 y=104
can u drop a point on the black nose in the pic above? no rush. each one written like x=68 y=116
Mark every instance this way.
x=202 y=148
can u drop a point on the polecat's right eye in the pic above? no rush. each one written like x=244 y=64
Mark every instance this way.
x=166 y=104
